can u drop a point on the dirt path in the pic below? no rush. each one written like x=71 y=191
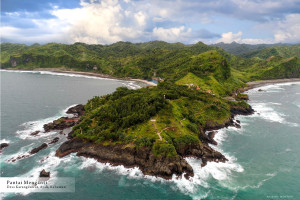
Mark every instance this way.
x=158 y=133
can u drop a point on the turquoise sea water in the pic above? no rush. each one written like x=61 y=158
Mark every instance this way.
x=264 y=161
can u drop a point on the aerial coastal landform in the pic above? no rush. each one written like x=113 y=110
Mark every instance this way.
x=192 y=91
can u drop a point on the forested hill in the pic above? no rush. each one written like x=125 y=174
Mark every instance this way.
x=246 y=49
x=122 y=59
x=157 y=59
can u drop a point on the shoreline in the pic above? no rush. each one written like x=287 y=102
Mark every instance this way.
x=91 y=74
x=256 y=84
x=115 y=160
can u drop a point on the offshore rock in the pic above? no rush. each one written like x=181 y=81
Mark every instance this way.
x=35 y=133
x=54 y=140
x=43 y=173
x=37 y=149
x=3 y=145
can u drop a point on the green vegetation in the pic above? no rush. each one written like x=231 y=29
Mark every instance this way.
x=139 y=118
x=159 y=59
x=196 y=78
x=241 y=49
x=269 y=63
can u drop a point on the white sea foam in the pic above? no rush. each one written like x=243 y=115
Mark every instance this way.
x=221 y=136
x=192 y=186
x=267 y=112
x=278 y=104
x=4 y=141
x=23 y=151
x=270 y=88
x=57 y=74
x=32 y=126
x=131 y=85
x=50 y=164
x=289 y=83
x=275 y=87
x=218 y=171
x=288 y=149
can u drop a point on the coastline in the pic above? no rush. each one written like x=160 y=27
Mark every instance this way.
x=162 y=173
x=256 y=84
x=91 y=74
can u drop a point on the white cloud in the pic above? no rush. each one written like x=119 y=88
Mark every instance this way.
x=109 y=21
x=140 y=17
x=237 y=37
x=288 y=30
x=230 y=37
x=105 y=22
x=174 y=34
x=284 y=31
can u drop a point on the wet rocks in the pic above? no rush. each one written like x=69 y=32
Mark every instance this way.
x=119 y=154
x=65 y=122
x=210 y=154
x=54 y=140
x=77 y=110
x=236 y=110
x=209 y=138
x=37 y=149
x=3 y=145
x=43 y=173
x=35 y=133
x=60 y=124
x=20 y=157
x=236 y=125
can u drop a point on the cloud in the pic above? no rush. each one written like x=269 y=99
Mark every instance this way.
x=237 y=37
x=284 y=31
x=105 y=22
x=174 y=34
x=109 y=21
x=287 y=30
x=230 y=37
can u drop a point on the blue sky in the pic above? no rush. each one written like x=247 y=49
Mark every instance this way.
x=187 y=21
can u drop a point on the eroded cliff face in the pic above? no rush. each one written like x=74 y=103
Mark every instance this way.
x=120 y=154
x=161 y=166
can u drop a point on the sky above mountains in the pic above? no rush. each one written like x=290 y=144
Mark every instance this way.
x=186 y=21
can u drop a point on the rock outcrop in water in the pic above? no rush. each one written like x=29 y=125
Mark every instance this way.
x=3 y=145
x=43 y=173
x=54 y=140
x=39 y=148
x=65 y=122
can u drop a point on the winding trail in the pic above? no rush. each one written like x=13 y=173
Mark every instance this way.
x=158 y=133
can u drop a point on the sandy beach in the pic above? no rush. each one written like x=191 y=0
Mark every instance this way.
x=59 y=70
x=255 y=84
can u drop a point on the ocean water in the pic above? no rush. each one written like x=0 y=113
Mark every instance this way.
x=264 y=161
